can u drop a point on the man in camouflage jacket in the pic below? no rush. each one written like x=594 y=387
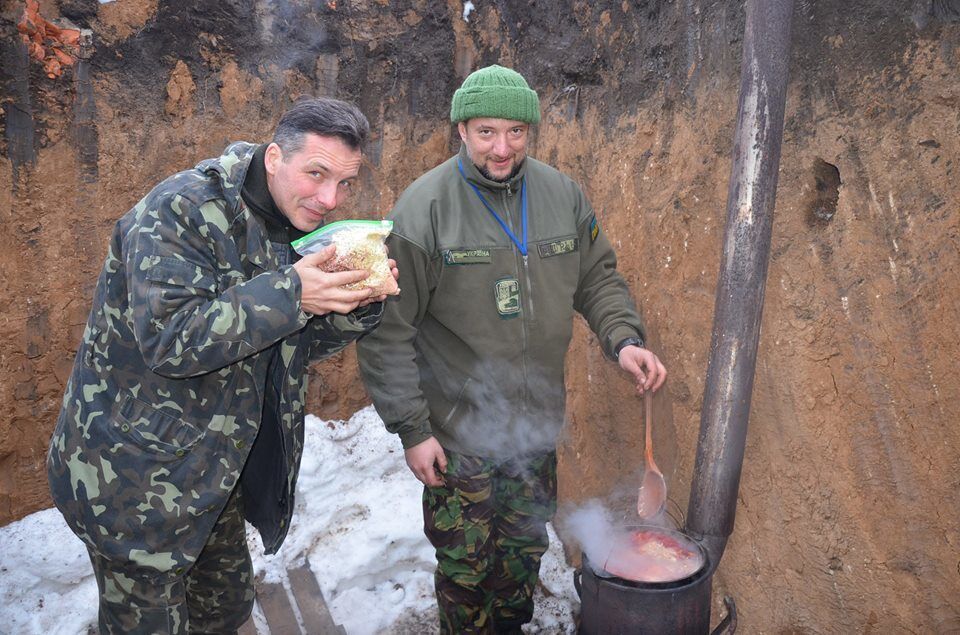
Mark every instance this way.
x=184 y=410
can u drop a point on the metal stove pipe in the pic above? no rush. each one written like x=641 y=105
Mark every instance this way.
x=743 y=272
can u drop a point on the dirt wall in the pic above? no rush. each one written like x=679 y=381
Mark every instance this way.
x=848 y=513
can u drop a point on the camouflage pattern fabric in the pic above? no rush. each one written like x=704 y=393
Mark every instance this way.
x=214 y=596
x=488 y=525
x=166 y=394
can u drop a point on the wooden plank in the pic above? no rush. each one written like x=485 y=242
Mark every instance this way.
x=276 y=608
x=248 y=628
x=313 y=609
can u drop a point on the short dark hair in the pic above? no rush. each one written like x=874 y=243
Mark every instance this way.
x=325 y=117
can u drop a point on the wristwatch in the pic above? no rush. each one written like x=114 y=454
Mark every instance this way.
x=630 y=341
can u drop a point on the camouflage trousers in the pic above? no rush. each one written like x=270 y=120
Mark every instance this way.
x=488 y=525
x=215 y=595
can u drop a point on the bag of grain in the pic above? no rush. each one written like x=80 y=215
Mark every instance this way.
x=360 y=245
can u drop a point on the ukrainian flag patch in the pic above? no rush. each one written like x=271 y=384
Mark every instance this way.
x=594 y=228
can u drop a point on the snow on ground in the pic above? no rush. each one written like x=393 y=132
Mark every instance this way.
x=358 y=523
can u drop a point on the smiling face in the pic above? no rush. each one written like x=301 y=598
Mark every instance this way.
x=496 y=146
x=308 y=184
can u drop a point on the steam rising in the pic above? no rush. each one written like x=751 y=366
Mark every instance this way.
x=499 y=410
x=650 y=553
x=592 y=526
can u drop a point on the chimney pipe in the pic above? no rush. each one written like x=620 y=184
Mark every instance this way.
x=743 y=271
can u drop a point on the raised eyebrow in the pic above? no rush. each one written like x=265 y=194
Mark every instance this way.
x=317 y=163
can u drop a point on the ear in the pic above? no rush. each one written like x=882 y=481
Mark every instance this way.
x=272 y=158
x=462 y=128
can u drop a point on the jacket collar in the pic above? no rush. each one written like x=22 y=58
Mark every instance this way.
x=230 y=170
x=474 y=176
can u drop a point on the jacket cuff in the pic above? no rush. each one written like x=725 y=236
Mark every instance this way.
x=296 y=287
x=415 y=434
x=372 y=310
x=617 y=335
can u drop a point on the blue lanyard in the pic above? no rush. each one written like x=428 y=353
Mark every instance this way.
x=522 y=246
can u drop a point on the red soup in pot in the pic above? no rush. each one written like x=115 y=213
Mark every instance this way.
x=650 y=555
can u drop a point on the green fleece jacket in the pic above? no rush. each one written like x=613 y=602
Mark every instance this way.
x=472 y=351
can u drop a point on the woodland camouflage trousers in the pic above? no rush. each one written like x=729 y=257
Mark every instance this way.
x=488 y=525
x=215 y=595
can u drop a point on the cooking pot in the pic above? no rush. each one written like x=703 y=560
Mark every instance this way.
x=611 y=605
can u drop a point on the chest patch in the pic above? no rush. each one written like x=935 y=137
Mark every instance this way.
x=466 y=256
x=506 y=293
x=557 y=247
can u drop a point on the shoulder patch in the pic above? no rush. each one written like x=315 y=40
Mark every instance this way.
x=594 y=229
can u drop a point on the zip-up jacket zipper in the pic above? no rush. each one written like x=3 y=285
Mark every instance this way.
x=525 y=292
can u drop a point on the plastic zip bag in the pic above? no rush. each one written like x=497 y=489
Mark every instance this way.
x=360 y=245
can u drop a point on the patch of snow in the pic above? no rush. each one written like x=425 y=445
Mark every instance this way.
x=358 y=522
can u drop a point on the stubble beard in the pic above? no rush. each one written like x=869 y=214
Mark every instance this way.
x=486 y=173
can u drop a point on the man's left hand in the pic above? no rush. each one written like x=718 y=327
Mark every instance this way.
x=645 y=367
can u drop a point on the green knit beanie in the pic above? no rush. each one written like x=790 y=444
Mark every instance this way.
x=497 y=92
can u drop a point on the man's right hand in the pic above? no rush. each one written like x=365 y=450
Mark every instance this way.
x=322 y=292
x=427 y=462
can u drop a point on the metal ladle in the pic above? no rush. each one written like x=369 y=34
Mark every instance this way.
x=653 y=489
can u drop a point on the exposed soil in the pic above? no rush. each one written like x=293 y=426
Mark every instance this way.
x=848 y=515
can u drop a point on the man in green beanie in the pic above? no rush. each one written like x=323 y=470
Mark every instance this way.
x=496 y=251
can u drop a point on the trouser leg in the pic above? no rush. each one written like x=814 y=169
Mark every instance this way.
x=214 y=596
x=132 y=601
x=457 y=521
x=525 y=498
x=219 y=586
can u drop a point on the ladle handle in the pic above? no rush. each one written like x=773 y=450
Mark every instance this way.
x=648 y=424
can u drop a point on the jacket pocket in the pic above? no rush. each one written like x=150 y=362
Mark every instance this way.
x=458 y=404
x=140 y=486
x=149 y=429
x=174 y=282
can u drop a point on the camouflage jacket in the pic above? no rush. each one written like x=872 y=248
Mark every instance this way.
x=192 y=307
